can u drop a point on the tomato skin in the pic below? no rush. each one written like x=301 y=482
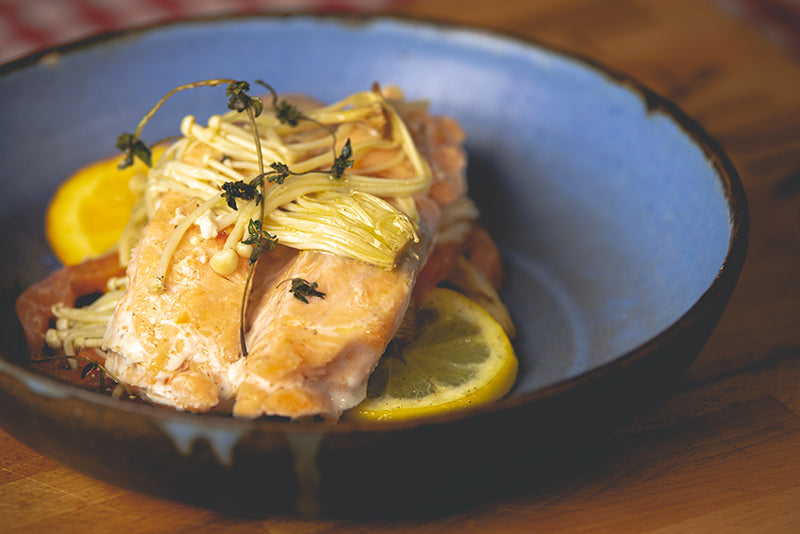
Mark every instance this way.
x=34 y=305
x=436 y=269
x=479 y=248
x=482 y=252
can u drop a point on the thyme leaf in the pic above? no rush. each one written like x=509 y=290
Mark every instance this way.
x=260 y=240
x=246 y=191
x=285 y=112
x=133 y=147
x=89 y=367
x=288 y=114
x=343 y=161
x=280 y=171
x=239 y=100
x=302 y=289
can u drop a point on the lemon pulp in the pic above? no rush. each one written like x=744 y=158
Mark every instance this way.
x=460 y=358
x=89 y=210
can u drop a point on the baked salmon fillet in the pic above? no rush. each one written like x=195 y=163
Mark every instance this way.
x=178 y=347
x=185 y=345
x=315 y=358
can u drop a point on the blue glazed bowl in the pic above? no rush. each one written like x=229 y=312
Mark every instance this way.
x=622 y=225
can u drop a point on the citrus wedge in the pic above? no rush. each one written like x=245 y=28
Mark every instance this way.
x=88 y=212
x=459 y=358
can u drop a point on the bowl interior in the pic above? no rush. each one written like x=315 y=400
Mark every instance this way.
x=611 y=219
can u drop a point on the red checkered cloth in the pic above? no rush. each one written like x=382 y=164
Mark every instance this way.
x=30 y=25
x=27 y=26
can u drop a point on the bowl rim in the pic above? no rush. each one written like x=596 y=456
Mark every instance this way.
x=719 y=290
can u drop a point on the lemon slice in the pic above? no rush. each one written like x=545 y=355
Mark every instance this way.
x=88 y=212
x=459 y=358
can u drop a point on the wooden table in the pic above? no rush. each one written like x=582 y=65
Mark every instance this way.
x=722 y=452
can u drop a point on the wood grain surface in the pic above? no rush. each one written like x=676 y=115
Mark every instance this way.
x=721 y=453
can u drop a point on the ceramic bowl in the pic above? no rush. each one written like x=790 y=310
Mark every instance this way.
x=622 y=225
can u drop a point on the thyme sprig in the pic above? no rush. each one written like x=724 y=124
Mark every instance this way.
x=132 y=145
x=89 y=366
x=285 y=112
x=240 y=101
x=280 y=171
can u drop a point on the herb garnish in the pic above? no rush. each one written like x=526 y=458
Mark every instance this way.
x=285 y=112
x=239 y=189
x=302 y=289
x=259 y=239
x=280 y=171
x=89 y=366
x=133 y=147
x=240 y=101
x=343 y=161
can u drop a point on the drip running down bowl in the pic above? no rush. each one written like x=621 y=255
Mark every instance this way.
x=622 y=226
